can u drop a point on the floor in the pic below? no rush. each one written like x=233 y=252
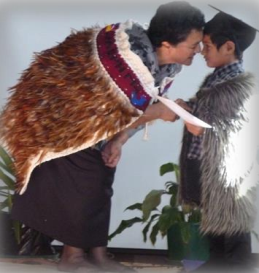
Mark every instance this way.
x=142 y=263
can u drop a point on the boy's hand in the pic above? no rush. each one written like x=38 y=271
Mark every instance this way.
x=195 y=130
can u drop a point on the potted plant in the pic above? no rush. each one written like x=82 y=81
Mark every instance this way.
x=10 y=229
x=15 y=238
x=179 y=223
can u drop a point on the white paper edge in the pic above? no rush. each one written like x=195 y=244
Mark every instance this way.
x=183 y=113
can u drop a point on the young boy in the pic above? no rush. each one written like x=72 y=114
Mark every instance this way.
x=218 y=165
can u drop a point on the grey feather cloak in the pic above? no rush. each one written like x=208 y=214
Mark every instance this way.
x=228 y=166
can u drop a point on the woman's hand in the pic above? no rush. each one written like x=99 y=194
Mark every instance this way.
x=159 y=111
x=111 y=153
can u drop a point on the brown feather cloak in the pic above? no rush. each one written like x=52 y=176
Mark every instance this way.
x=66 y=101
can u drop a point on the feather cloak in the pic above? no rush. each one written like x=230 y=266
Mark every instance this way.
x=229 y=171
x=72 y=96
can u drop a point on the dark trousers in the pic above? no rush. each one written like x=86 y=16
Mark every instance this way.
x=232 y=250
x=191 y=187
x=229 y=254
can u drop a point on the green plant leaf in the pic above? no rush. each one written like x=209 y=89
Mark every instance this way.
x=151 y=201
x=146 y=228
x=177 y=173
x=154 y=233
x=171 y=186
x=4 y=167
x=4 y=188
x=137 y=206
x=4 y=191
x=172 y=189
x=7 y=160
x=166 y=208
x=166 y=168
x=187 y=209
x=185 y=232
x=3 y=194
x=195 y=216
x=17 y=230
x=173 y=200
x=10 y=202
x=168 y=218
x=4 y=204
x=125 y=224
x=7 y=180
x=171 y=167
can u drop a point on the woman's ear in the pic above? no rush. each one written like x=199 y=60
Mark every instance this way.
x=166 y=44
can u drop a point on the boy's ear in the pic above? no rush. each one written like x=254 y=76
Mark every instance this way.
x=230 y=47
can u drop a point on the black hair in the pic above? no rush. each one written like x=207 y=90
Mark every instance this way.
x=224 y=27
x=173 y=22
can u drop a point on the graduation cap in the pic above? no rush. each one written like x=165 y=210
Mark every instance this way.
x=239 y=32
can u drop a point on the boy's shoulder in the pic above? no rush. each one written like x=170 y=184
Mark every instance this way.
x=242 y=86
x=243 y=78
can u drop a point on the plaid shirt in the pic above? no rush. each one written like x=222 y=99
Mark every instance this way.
x=219 y=75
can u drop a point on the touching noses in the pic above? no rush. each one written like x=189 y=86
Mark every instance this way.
x=203 y=52
x=198 y=48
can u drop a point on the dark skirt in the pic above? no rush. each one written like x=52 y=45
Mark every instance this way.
x=69 y=199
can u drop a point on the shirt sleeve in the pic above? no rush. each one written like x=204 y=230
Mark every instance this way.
x=132 y=132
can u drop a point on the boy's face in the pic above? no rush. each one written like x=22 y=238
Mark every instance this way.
x=216 y=57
